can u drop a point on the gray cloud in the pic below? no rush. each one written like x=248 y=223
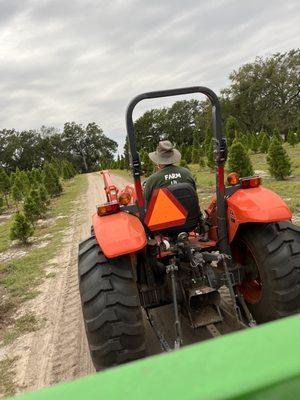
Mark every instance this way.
x=84 y=60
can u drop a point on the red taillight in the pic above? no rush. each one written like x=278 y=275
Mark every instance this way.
x=252 y=182
x=108 y=208
x=124 y=198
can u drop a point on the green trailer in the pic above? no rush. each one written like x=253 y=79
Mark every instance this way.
x=259 y=363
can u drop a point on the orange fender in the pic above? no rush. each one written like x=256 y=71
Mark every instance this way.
x=119 y=234
x=255 y=205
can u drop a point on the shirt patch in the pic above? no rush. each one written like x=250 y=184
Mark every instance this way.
x=172 y=176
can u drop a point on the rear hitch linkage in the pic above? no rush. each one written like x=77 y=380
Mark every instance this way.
x=178 y=333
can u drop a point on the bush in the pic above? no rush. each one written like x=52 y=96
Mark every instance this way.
x=278 y=160
x=21 y=228
x=239 y=160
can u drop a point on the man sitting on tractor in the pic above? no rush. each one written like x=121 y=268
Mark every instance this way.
x=168 y=174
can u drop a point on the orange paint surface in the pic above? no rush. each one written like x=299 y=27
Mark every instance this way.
x=255 y=205
x=119 y=234
x=164 y=211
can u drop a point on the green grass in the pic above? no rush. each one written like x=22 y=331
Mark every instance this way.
x=21 y=276
x=7 y=387
x=4 y=236
x=25 y=324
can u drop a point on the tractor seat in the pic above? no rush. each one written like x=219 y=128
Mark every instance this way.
x=187 y=196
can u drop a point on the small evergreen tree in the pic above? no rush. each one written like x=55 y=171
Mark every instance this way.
x=183 y=163
x=195 y=155
x=147 y=165
x=65 y=170
x=25 y=182
x=4 y=184
x=16 y=192
x=51 y=180
x=239 y=160
x=31 y=206
x=231 y=127
x=276 y=134
x=12 y=178
x=265 y=143
x=188 y=154
x=207 y=140
x=43 y=194
x=254 y=143
x=21 y=228
x=278 y=160
x=292 y=138
x=196 y=141
x=1 y=203
x=210 y=157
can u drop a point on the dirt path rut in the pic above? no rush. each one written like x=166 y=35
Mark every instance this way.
x=58 y=351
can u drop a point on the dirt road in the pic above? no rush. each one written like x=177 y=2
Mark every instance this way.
x=58 y=351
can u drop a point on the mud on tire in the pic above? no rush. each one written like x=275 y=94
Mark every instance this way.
x=111 y=308
x=276 y=250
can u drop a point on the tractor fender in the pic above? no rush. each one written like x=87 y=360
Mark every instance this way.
x=119 y=234
x=255 y=205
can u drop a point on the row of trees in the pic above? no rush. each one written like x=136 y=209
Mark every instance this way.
x=86 y=147
x=262 y=98
x=277 y=158
x=202 y=154
x=29 y=193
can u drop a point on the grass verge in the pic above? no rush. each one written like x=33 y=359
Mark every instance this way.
x=25 y=324
x=7 y=387
x=19 y=277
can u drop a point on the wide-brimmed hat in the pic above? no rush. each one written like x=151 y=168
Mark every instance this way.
x=165 y=153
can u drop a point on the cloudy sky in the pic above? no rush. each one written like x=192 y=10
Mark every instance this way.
x=83 y=60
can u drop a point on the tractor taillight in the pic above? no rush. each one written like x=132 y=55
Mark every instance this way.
x=252 y=182
x=108 y=208
x=124 y=198
x=233 y=179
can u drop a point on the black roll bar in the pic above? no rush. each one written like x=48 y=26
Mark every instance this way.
x=219 y=152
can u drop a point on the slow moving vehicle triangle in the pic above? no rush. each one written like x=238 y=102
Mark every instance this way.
x=164 y=211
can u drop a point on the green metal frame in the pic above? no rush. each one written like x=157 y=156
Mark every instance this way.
x=260 y=363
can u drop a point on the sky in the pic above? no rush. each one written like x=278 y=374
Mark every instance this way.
x=83 y=60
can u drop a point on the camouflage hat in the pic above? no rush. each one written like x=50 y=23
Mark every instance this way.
x=165 y=154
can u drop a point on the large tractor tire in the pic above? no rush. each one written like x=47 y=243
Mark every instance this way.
x=111 y=307
x=273 y=250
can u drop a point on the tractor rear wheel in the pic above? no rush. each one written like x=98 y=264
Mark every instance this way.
x=271 y=252
x=111 y=308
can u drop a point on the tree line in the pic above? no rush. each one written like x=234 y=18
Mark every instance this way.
x=263 y=98
x=28 y=194
x=85 y=147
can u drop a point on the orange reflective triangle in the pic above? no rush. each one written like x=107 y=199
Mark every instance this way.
x=164 y=211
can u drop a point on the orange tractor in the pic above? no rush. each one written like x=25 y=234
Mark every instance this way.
x=139 y=258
